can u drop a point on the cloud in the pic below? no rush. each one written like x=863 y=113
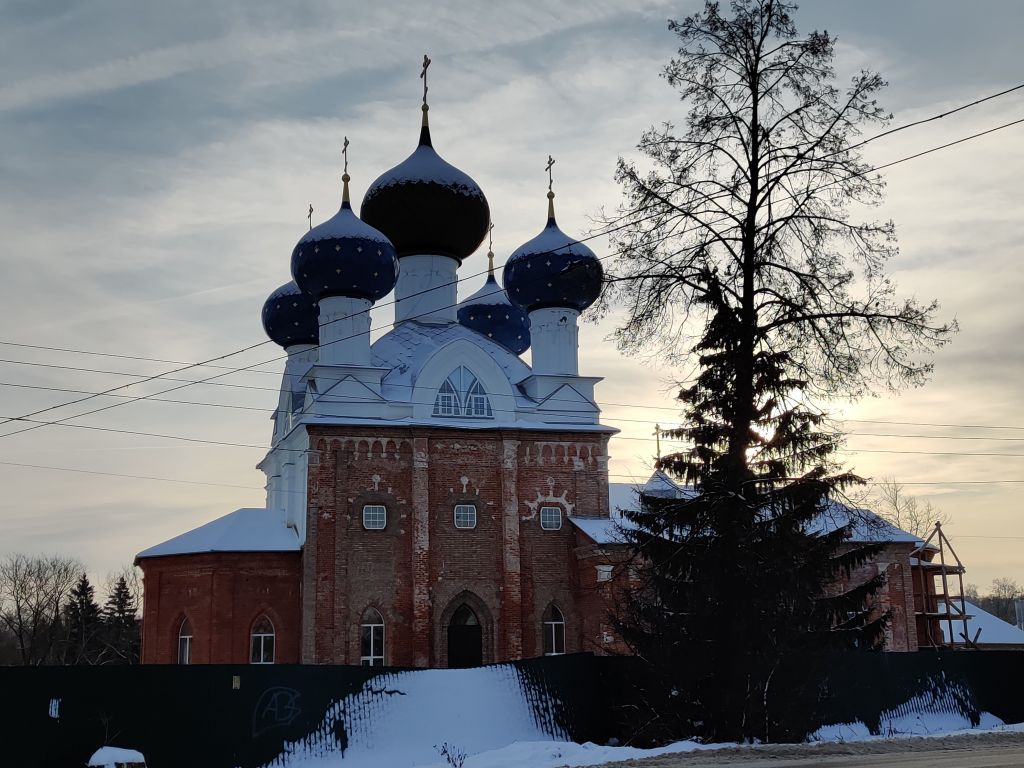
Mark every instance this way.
x=158 y=163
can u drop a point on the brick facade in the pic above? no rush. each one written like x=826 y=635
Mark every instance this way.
x=420 y=568
x=222 y=595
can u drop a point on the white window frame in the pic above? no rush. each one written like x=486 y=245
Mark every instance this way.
x=553 y=630
x=371 y=509
x=447 y=402
x=462 y=394
x=374 y=622
x=463 y=508
x=604 y=572
x=546 y=525
x=261 y=639
x=185 y=642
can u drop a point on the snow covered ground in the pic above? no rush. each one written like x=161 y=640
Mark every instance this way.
x=403 y=720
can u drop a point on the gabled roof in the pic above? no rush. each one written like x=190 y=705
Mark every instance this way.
x=244 y=530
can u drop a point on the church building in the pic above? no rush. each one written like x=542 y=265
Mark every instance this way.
x=425 y=493
x=432 y=500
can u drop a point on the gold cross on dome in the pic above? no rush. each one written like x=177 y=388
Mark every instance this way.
x=344 y=153
x=490 y=238
x=551 y=162
x=310 y=215
x=423 y=76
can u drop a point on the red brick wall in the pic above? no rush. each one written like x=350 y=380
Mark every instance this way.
x=420 y=568
x=223 y=595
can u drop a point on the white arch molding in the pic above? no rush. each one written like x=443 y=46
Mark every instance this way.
x=447 y=359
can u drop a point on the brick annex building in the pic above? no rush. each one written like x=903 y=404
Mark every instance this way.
x=432 y=500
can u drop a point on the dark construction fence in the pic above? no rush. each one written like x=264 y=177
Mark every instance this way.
x=238 y=715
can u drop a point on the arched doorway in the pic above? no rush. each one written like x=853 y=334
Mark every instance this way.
x=465 y=639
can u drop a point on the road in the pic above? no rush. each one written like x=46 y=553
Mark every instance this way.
x=992 y=750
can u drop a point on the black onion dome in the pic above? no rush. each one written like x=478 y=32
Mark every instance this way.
x=489 y=312
x=553 y=270
x=291 y=317
x=428 y=206
x=345 y=257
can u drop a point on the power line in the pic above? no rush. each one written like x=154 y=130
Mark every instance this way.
x=868 y=140
x=120 y=474
x=642 y=406
x=500 y=410
x=589 y=237
x=268 y=341
x=633 y=478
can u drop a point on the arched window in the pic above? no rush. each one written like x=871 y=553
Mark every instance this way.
x=185 y=642
x=371 y=639
x=554 y=632
x=262 y=642
x=462 y=394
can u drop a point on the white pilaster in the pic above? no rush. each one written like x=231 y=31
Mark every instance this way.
x=554 y=341
x=344 y=331
x=426 y=289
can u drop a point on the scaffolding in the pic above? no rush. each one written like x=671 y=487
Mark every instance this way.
x=941 y=602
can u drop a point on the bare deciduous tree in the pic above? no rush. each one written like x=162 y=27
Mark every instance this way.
x=33 y=589
x=906 y=512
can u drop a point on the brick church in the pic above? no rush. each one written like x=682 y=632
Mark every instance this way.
x=423 y=491
x=432 y=500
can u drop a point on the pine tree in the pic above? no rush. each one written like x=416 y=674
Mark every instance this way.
x=739 y=254
x=83 y=625
x=121 y=626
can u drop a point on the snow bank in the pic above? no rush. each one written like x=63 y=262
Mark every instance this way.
x=399 y=719
x=904 y=725
x=109 y=756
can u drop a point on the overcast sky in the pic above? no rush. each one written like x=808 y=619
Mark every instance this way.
x=157 y=161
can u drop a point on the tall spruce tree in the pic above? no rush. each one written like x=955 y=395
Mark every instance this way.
x=739 y=253
x=120 y=626
x=83 y=625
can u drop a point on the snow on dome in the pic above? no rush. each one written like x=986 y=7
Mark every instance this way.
x=553 y=270
x=489 y=312
x=344 y=256
x=427 y=206
x=291 y=316
x=244 y=530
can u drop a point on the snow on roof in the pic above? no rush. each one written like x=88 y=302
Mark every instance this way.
x=623 y=496
x=407 y=347
x=867 y=526
x=244 y=530
x=111 y=756
x=602 y=530
x=994 y=630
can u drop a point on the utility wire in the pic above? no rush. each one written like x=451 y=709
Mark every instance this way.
x=630 y=222
x=230 y=354
x=633 y=478
x=610 y=422
x=870 y=139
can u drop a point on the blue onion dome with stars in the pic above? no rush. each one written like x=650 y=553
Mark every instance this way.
x=489 y=312
x=291 y=316
x=426 y=205
x=345 y=257
x=553 y=270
